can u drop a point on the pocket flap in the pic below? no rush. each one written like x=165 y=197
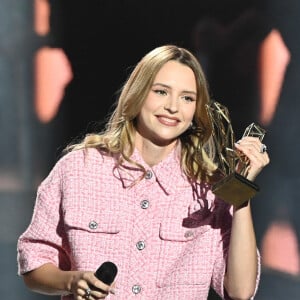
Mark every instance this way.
x=173 y=230
x=106 y=222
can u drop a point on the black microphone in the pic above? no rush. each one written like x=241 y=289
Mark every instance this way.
x=107 y=272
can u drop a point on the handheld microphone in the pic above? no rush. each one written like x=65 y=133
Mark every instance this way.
x=107 y=272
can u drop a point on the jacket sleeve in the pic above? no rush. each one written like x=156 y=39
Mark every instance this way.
x=44 y=241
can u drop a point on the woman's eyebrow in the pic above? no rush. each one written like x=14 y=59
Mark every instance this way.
x=169 y=87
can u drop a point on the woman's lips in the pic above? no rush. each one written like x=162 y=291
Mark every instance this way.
x=168 y=121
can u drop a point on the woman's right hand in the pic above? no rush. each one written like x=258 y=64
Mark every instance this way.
x=85 y=285
x=50 y=280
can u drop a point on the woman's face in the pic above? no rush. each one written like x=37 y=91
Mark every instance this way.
x=169 y=108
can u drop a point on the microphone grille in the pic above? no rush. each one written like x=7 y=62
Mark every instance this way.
x=107 y=272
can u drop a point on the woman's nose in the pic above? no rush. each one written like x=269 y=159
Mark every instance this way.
x=171 y=104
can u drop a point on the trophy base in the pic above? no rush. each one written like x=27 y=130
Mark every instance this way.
x=235 y=189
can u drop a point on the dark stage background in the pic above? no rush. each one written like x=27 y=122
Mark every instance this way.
x=101 y=41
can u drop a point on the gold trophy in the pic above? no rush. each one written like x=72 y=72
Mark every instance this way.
x=233 y=187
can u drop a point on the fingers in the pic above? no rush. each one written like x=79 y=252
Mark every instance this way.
x=252 y=146
x=255 y=154
x=90 y=294
x=89 y=287
x=263 y=148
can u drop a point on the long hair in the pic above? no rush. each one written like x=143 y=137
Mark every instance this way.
x=118 y=137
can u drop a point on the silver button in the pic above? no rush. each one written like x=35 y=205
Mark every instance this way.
x=136 y=289
x=148 y=175
x=140 y=245
x=188 y=234
x=197 y=206
x=144 y=204
x=93 y=225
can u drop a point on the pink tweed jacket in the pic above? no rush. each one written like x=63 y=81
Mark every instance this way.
x=168 y=238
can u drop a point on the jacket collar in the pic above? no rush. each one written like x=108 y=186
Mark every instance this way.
x=167 y=173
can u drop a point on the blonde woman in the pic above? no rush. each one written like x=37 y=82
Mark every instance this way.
x=138 y=194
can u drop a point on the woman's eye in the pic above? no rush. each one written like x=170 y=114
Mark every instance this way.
x=160 y=92
x=188 y=98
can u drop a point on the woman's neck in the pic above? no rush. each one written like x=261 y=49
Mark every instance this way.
x=152 y=153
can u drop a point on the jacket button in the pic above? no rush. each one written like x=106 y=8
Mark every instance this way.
x=189 y=234
x=148 y=175
x=144 y=204
x=136 y=289
x=93 y=225
x=140 y=245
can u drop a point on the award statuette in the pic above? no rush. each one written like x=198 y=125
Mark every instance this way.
x=233 y=187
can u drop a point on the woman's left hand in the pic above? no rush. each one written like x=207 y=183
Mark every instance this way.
x=254 y=154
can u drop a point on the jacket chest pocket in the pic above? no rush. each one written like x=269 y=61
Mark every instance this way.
x=101 y=216
x=182 y=257
x=93 y=223
x=91 y=234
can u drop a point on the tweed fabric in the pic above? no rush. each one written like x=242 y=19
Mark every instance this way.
x=88 y=211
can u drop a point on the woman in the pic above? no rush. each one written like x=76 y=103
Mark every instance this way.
x=139 y=195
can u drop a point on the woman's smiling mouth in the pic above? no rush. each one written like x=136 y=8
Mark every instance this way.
x=168 y=121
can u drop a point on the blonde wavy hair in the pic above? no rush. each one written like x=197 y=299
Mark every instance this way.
x=118 y=137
